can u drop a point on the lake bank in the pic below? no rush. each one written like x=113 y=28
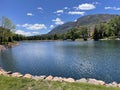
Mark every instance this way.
x=14 y=83
x=58 y=79
x=2 y=48
x=9 y=45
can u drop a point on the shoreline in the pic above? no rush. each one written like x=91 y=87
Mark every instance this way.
x=58 y=79
x=10 y=45
x=2 y=48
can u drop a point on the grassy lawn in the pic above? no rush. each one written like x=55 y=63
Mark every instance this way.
x=10 y=83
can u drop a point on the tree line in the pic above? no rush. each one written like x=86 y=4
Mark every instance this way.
x=110 y=29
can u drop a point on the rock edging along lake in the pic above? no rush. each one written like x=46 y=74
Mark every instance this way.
x=59 y=79
x=90 y=59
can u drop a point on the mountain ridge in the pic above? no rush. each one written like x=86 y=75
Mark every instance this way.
x=89 y=20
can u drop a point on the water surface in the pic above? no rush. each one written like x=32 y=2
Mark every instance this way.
x=99 y=60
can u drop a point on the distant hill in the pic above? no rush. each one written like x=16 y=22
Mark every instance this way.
x=90 y=20
x=63 y=28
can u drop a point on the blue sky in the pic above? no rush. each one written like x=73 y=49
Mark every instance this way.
x=33 y=17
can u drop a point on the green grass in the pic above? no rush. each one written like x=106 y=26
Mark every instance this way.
x=10 y=83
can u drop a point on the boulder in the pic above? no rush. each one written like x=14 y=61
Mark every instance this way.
x=96 y=82
x=49 y=78
x=27 y=76
x=118 y=85
x=68 y=80
x=114 y=84
x=58 y=79
x=9 y=72
x=3 y=72
x=109 y=85
x=38 y=77
x=82 y=80
x=2 y=48
x=16 y=74
x=42 y=77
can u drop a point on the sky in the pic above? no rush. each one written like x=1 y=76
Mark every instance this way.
x=34 y=17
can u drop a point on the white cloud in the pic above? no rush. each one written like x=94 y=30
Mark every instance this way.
x=40 y=8
x=66 y=8
x=76 y=13
x=112 y=8
x=29 y=14
x=51 y=26
x=58 y=21
x=26 y=33
x=85 y=6
x=33 y=26
x=75 y=20
x=35 y=33
x=59 y=11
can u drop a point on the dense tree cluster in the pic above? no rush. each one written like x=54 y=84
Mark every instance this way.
x=7 y=29
x=109 y=29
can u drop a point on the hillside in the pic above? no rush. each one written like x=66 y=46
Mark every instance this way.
x=89 y=20
x=63 y=28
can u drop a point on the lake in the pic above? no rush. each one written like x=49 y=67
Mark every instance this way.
x=90 y=59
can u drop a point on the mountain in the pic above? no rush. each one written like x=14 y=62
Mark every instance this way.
x=63 y=28
x=89 y=20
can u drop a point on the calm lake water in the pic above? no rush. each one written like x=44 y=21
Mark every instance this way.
x=99 y=60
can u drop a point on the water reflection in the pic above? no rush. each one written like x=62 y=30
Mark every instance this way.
x=9 y=62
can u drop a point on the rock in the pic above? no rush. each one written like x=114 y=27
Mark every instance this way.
x=109 y=85
x=9 y=72
x=68 y=80
x=3 y=72
x=114 y=84
x=82 y=80
x=42 y=77
x=16 y=74
x=27 y=76
x=38 y=77
x=57 y=79
x=0 y=72
x=118 y=85
x=49 y=78
x=2 y=48
x=96 y=82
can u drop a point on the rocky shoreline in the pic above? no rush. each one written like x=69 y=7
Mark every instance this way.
x=60 y=79
x=2 y=48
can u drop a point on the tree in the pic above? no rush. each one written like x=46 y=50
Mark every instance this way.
x=6 y=30
x=114 y=26
x=7 y=24
x=96 y=34
x=84 y=32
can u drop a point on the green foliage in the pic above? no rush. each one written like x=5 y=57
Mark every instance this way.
x=7 y=34
x=7 y=24
x=84 y=32
x=76 y=33
x=112 y=28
